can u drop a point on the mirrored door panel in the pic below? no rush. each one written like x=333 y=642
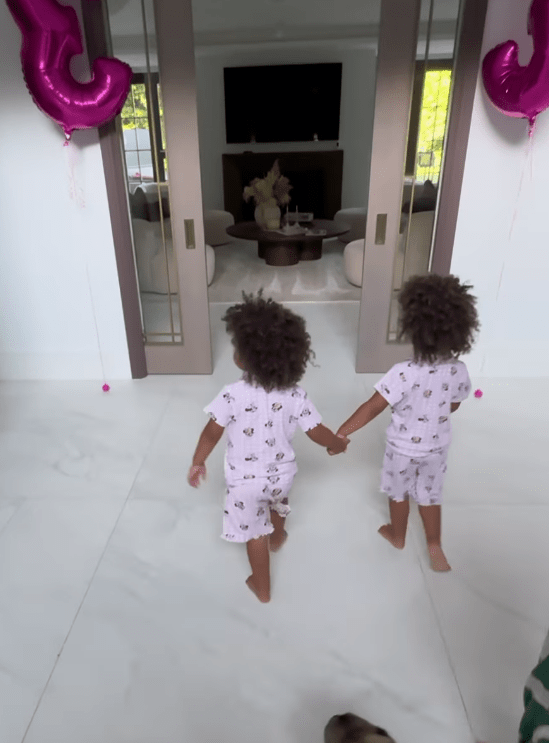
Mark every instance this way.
x=147 y=177
x=427 y=137
x=427 y=71
x=159 y=143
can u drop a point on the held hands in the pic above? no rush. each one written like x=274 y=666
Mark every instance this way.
x=195 y=473
x=343 y=445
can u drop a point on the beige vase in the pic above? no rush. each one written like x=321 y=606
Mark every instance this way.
x=267 y=217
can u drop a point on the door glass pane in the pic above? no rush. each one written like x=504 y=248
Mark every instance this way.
x=133 y=38
x=429 y=116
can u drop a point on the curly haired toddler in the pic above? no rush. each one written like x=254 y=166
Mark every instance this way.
x=439 y=317
x=261 y=413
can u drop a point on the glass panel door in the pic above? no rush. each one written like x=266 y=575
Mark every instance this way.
x=427 y=134
x=169 y=247
x=416 y=64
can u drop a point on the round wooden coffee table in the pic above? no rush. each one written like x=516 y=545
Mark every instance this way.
x=287 y=250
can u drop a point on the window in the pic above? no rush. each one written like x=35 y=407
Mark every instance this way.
x=142 y=111
x=428 y=120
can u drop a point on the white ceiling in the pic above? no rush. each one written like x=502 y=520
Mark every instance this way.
x=252 y=21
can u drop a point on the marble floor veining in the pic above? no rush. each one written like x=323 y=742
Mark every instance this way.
x=124 y=618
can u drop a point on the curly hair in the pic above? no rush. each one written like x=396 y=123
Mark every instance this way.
x=438 y=316
x=271 y=341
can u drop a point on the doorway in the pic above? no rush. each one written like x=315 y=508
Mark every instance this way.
x=313 y=68
x=394 y=159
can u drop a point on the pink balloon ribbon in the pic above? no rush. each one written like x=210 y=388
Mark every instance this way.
x=51 y=38
x=521 y=92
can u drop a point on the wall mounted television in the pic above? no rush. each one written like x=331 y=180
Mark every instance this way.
x=282 y=103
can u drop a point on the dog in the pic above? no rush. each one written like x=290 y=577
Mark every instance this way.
x=350 y=728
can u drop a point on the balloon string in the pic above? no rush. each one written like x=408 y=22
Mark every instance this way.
x=95 y=323
x=80 y=201
x=527 y=162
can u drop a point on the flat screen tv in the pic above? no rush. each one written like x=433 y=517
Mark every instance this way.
x=282 y=103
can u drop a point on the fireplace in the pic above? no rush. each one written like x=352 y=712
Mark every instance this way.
x=316 y=178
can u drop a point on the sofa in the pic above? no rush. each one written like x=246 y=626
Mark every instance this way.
x=409 y=261
x=151 y=260
x=416 y=260
x=425 y=200
x=356 y=218
x=145 y=204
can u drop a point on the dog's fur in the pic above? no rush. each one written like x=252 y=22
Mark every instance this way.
x=350 y=728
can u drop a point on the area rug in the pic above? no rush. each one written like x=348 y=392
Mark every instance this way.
x=238 y=268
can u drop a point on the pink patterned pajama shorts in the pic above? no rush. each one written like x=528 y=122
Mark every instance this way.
x=248 y=506
x=420 y=477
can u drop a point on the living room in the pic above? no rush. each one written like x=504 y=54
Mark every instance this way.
x=268 y=39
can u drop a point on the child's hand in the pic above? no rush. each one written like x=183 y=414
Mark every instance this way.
x=195 y=473
x=343 y=447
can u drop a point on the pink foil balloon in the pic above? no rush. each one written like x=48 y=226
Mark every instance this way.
x=51 y=38
x=522 y=92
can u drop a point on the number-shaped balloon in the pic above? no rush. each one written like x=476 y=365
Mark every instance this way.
x=522 y=92
x=51 y=38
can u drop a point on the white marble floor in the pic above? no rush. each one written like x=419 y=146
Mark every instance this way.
x=124 y=618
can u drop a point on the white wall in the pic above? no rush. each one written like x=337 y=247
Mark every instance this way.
x=54 y=222
x=514 y=339
x=357 y=101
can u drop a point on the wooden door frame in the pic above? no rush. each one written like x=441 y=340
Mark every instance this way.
x=396 y=60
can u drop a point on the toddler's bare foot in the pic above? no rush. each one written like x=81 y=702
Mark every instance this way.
x=263 y=596
x=439 y=563
x=387 y=532
x=276 y=541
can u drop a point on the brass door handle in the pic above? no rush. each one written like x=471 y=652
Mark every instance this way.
x=189 y=234
x=381 y=229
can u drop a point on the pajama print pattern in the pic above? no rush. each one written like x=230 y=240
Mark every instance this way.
x=260 y=462
x=419 y=435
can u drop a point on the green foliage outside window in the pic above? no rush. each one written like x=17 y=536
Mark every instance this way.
x=136 y=108
x=432 y=128
x=134 y=113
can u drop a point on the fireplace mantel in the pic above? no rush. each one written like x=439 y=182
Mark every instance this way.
x=316 y=178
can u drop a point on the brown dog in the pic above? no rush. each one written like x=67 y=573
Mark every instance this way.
x=349 y=728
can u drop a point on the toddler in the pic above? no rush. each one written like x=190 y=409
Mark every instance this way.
x=439 y=317
x=261 y=413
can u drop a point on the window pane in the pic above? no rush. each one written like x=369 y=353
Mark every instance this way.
x=135 y=107
x=139 y=100
x=143 y=138
x=130 y=139
x=434 y=114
